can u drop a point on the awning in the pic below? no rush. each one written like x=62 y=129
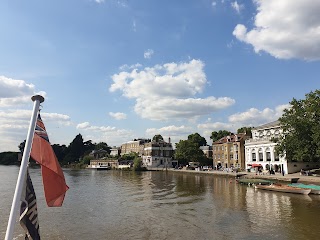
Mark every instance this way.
x=256 y=165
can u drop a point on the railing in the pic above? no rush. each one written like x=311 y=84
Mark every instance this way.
x=258 y=140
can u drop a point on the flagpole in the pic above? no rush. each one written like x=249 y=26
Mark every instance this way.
x=37 y=99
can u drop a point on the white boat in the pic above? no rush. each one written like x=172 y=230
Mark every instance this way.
x=284 y=188
x=99 y=167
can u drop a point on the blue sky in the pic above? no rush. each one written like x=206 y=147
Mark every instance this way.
x=118 y=70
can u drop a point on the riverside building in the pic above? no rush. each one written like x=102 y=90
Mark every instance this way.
x=228 y=152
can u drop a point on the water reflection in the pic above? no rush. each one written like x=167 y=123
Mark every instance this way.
x=165 y=205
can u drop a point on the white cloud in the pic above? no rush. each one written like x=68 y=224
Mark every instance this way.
x=15 y=92
x=108 y=134
x=168 y=91
x=126 y=67
x=255 y=117
x=213 y=4
x=205 y=129
x=122 y=4
x=99 y=1
x=250 y=118
x=176 y=133
x=118 y=115
x=170 y=108
x=83 y=125
x=171 y=130
x=14 y=126
x=216 y=126
x=285 y=29
x=237 y=7
x=148 y=54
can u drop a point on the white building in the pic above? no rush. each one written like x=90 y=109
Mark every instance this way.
x=158 y=155
x=115 y=151
x=260 y=150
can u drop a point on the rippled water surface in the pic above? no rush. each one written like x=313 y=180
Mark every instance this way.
x=159 y=205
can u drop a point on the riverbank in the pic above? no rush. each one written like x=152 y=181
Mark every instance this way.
x=294 y=177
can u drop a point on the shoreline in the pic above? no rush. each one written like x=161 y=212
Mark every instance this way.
x=293 y=177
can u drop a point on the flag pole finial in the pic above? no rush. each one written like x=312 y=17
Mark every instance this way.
x=37 y=97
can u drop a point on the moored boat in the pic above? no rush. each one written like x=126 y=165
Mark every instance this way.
x=253 y=181
x=284 y=188
x=315 y=189
x=99 y=167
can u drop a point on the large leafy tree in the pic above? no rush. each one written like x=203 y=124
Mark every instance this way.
x=60 y=151
x=215 y=136
x=188 y=151
x=102 y=145
x=75 y=150
x=157 y=138
x=301 y=125
x=246 y=130
x=196 y=138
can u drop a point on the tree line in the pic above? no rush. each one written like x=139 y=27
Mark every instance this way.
x=76 y=152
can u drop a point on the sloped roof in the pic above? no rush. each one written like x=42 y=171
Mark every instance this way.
x=268 y=125
x=231 y=137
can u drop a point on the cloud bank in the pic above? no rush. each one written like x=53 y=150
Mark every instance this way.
x=169 y=91
x=285 y=29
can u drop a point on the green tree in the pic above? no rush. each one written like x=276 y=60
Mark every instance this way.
x=9 y=158
x=75 y=150
x=60 y=151
x=215 y=136
x=104 y=146
x=129 y=156
x=301 y=129
x=188 y=151
x=246 y=130
x=21 y=146
x=86 y=159
x=196 y=138
x=137 y=164
x=157 y=138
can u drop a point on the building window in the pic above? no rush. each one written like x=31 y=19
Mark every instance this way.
x=254 y=157
x=268 y=155
x=260 y=155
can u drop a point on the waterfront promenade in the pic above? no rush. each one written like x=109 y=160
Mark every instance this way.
x=277 y=176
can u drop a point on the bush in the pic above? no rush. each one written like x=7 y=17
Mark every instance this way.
x=137 y=162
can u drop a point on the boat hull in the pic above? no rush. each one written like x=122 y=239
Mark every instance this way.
x=315 y=189
x=284 y=188
x=99 y=167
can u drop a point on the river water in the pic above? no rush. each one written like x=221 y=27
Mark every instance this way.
x=163 y=205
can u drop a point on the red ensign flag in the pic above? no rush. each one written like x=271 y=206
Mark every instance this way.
x=52 y=175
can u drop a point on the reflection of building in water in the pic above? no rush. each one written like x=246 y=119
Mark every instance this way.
x=267 y=210
x=233 y=194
